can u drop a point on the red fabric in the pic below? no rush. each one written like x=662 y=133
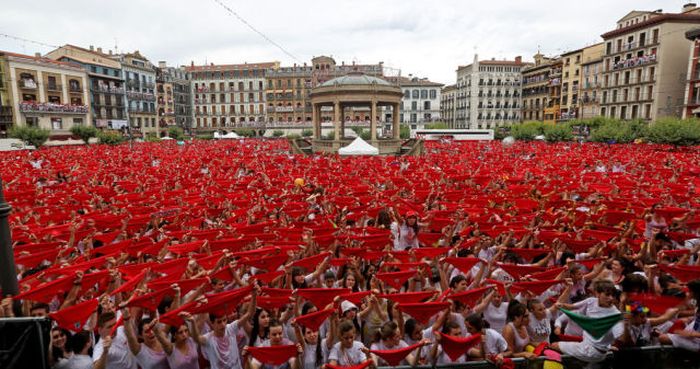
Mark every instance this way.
x=408 y=297
x=549 y=274
x=358 y=366
x=591 y=263
x=272 y=302
x=423 y=311
x=536 y=287
x=355 y=297
x=130 y=285
x=268 y=277
x=321 y=297
x=570 y=338
x=186 y=285
x=394 y=357
x=273 y=355
x=430 y=252
x=463 y=264
x=470 y=297
x=186 y=248
x=656 y=303
x=224 y=302
x=429 y=239
x=73 y=318
x=396 y=279
x=269 y=263
x=314 y=320
x=311 y=262
x=455 y=347
x=528 y=254
x=579 y=246
x=685 y=273
x=518 y=271
x=540 y=348
x=151 y=300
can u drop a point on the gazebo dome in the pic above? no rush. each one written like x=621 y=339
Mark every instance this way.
x=354 y=79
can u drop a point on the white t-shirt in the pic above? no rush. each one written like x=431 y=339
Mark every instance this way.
x=310 y=355
x=222 y=352
x=495 y=343
x=149 y=359
x=539 y=330
x=178 y=360
x=75 y=362
x=496 y=316
x=347 y=357
x=119 y=356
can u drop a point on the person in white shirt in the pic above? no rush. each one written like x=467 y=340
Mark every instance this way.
x=182 y=351
x=390 y=339
x=79 y=344
x=492 y=343
x=111 y=352
x=348 y=351
x=149 y=354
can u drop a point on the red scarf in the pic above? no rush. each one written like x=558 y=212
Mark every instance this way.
x=314 y=320
x=394 y=357
x=273 y=355
x=423 y=311
x=455 y=347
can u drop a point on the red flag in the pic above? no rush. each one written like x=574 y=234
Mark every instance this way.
x=73 y=318
x=394 y=357
x=224 y=302
x=423 y=311
x=273 y=355
x=408 y=297
x=430 y=252
x=455 y=347
x=269 y=263
x=470 y=297
x=314 y=320
x=396 y=279
x=186 y=248
x=321 y=297
x=685 y=273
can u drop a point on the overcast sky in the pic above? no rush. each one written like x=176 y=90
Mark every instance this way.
x=424 y=38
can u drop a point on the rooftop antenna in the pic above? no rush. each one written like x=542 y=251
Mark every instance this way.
x=116 y=46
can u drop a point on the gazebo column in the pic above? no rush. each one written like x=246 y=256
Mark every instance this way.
x=373 y=121
x=395 y=117
x=315 y=108
x=336 y=121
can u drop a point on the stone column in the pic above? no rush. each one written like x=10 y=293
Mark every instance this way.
x=395 y=116
x=314 y=120
x=373 y=121
x=336 y=121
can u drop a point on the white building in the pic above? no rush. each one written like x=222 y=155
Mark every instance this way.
x=448 y=100
x=140 y=76
x=489 y=93
x=420 y=103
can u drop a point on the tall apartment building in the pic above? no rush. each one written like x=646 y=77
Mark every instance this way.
x=592 y=69
x=421 y=101
x=174 y=96
x=692 y=87
x=570 y=84
x=447 y=105
x=5 y=99
x=552 y=111
x=106 y=82
x=45 y=93
x=140 y=77
x=489 y=93
x=645 y=64
x=231 y=95
x=535 y=87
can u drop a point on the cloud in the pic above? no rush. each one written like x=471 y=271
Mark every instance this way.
x=429 y=39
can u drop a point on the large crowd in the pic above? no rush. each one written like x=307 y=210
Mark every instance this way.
x=240 y=255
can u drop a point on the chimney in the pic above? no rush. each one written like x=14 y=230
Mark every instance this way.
x=110 y=52
x=192 y=63
x=92 y=48
x=493 y=59
x=518 y=59
x=37 y=55
x=99 y=50
x=658 y=11
x=689 y=6
x=162 y=64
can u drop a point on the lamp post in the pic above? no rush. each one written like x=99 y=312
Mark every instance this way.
x=8 y=276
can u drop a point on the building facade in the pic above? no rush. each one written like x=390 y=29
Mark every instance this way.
x=140 y=77
x=287 y=94
x=692 y=88
x=420 y=104
x=46 y=93
x=645 y=64
x=174 y=97
x=570 y=85
x=447 y=105
x=592 y=68
x=535 y=88
x=5 y=99
x=106 y=83
x=229 y=96
x=489 y=93
x=552 y=111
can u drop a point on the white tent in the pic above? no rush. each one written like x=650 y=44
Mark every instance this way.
x=166 y=138
x=228 y=135
x=358 y=147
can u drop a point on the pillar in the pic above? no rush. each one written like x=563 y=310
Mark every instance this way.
x=8 y=276
x=336 y=121
x=315 y=121
x=395 y=116
x=373 y=121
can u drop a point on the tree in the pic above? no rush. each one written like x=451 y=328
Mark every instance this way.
x=245 y=132
x=307 y=133
x=557 y=132
x=278 y=133
x=34 y=136
x=404 y=131
x=110 y=137
x=681 y=132
x=613 y=130
x=437 y=125
x=84 y=132
x=176 y=133
x=527 y=131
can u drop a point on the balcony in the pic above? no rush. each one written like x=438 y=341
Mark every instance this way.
x=54 y=88
x=75 y=89
x=141 y=110
x=110 y=89
x=634 y=62
x=35 y=107
x=28 y=84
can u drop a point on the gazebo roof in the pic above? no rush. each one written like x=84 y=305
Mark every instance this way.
x=355 y=79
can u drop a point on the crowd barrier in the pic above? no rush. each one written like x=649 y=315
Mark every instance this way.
x=24 y=343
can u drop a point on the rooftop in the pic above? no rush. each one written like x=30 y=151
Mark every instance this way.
x=223 y=67
x=355 y=79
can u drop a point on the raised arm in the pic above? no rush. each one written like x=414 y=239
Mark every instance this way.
x=167 y=345
x=131 y=340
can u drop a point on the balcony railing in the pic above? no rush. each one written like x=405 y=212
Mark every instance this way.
x=75 y=89
x=57 y=88
x=110 y=89
x=28 y=84
x=633 y=62
x=140 y=110
x=35 y=107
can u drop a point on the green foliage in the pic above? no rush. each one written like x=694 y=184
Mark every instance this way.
x=591 y=123
x=404 y=131
x=245 y=132
x=557 y=132
x=329 y=136
x=176 y=133
x=437 y=125
x=34 y=136
x=293 y=136
x=277 y=133
x=307 y=133
x=110 y=137
x=527 y=130
x=152 y=137
x=613 y=130
x=204 y=136
x=84 y=132
x=366 y=134
x=681 y=132
x=357 y=130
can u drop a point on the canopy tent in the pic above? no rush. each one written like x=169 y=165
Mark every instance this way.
x=358 y=147
x=233 y=135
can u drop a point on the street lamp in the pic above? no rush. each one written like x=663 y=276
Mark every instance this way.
x=8 y=276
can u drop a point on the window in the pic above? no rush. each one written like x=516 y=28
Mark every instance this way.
x=433 y=94
x=407 y=94
x=423 y=94
x=426 y=105
x=56 y=123
x=415 y=94
x=414 y=105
